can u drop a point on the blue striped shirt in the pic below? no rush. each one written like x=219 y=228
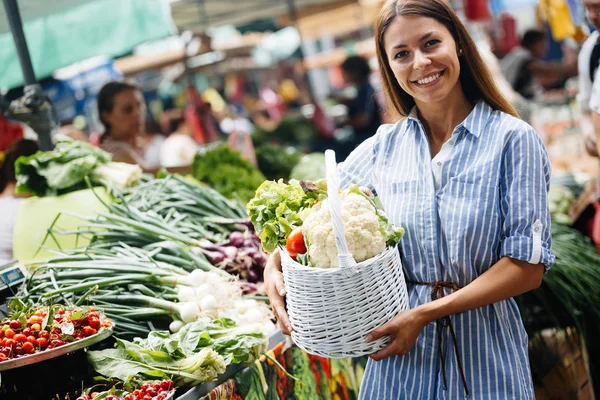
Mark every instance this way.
x=481 y=198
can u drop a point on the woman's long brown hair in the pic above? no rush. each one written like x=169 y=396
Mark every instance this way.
x=475 y=78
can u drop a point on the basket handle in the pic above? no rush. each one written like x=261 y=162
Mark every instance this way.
x=333 y=183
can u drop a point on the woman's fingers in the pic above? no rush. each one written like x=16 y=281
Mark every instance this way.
x=281 y=313
x=388 y=351
x=279 y=284
x=275 y=288
x=383 y=330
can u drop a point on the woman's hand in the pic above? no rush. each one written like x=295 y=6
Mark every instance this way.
x=276 y=291
x=404 y=330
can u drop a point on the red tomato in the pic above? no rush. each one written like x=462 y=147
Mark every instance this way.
x=295 y=243
x=44 y=334
x=32 y=340
x=88 y=331
x=93 y=314
x=9 y=333
x=94 y=322
x=42 y=343
x=166 y=385
x=3 y=357
x=26 y=332
x=10 y=343
x=28 y=347
x=14 y=324
x=56 y=343
x=19 y=337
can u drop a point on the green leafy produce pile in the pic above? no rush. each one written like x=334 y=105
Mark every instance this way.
x=275 y=161
x=227 y=172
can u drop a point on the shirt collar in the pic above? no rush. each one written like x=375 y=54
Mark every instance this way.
x=474 y=122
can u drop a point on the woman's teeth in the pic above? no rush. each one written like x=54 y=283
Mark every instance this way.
x=429 y=79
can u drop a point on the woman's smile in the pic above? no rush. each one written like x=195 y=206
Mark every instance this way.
x=429 y=79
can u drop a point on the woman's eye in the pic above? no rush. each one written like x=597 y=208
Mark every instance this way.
x=401 y=54
x=432 y=42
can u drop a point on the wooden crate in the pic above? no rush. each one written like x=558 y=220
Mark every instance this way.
x=567 y=377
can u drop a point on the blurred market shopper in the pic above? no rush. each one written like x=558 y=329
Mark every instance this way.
x=9 y=200
x=589 y=91
x=122 y=112
x=179 y=148
x=468 y=181
x=363 y=111
x=523 y=67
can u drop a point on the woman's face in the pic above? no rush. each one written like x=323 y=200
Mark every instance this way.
x=127 y=116
x=423 y=56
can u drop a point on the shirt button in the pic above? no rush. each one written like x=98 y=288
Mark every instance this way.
x=439 y=163
x=536 y=229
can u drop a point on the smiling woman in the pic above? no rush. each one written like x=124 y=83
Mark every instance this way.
x=423 y=39
x=468 y=181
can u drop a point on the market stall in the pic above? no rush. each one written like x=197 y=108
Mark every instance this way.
x=130 y=285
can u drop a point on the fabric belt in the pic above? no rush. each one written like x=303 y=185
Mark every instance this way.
x=437 y=291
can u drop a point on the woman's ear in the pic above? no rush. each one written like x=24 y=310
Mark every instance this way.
x=105 y=118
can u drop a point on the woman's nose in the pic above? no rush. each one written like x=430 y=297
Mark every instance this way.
x=421 y=60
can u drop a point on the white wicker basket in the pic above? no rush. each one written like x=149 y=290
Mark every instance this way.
x=333 y=309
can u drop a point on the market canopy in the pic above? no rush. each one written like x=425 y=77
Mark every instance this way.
x=62 y=32
x=199 y=14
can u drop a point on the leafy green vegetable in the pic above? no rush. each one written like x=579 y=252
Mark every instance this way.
x=129 y=359
x=291 y=131
x=311 y=167
x=198 y=353
x=237 y=344
x=275 y=161
x=227 y=172
x=60 y=170
x=65 y=168
x=275 y=211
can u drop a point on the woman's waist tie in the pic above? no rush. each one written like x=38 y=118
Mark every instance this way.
x=437 y=291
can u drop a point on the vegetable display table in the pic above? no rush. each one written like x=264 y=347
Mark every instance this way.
x=317 y=377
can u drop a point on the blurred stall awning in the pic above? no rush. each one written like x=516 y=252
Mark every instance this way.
x=199 y=14
x=62 y=32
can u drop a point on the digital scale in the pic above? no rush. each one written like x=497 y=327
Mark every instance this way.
x=11 y=276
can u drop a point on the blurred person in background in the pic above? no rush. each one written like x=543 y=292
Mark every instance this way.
x=363 y=110
x=9 y=199
x=122 y=112
x=179 y=148
x=523 y=67
x=588 y=61
x=152 y=141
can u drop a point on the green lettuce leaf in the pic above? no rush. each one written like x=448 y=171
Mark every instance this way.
x=60 y=170
x=276 y=210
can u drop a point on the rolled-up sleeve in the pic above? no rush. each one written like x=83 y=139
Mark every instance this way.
x=527 y=230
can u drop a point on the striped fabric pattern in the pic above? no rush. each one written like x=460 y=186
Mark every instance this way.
x=483 y=197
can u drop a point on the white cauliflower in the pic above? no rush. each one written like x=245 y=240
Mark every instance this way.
x=367 y=230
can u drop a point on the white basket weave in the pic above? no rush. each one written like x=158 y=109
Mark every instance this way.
x=333 y=309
